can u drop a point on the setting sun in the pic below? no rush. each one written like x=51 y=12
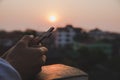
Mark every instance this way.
x=52 y=18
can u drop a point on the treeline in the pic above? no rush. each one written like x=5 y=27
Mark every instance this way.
x=99 y=56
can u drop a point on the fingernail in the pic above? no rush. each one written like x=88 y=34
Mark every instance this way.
x=43 y=49
x=44 y=58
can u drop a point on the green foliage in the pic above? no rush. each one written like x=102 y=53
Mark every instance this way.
x=85 y=57
x=114 y=64
x=91 y=56
x=30 y=32
x=81 y=37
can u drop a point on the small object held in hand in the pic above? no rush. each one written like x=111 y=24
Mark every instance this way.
x=39 y=38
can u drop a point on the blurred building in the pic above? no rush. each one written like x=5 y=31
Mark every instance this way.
x=6 y=42
x=65 y=36
x=98 y=34
x=8 y=39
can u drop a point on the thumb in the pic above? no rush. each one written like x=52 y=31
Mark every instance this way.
x=24 y=41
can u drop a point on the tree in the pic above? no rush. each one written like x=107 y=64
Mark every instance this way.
x=81 y=37
x=89 y=57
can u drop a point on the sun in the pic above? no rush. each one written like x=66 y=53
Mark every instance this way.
x=52 y=18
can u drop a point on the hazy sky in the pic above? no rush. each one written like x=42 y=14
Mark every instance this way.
x=34 y=14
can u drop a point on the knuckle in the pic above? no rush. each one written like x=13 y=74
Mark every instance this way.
x=20 y=44
x=43 y=49
x=27 y=37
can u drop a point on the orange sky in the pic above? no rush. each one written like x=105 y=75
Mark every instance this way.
x=34 y=14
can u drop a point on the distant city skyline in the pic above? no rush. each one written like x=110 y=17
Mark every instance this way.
x=34 y=14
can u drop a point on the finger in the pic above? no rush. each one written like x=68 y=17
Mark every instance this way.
x=44 y=58
x=24 y=41
x=43 y=50
x=40 y=44
x=38 y=51
x=37 y=46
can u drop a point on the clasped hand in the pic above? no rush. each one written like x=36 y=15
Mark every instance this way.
x=25 y=59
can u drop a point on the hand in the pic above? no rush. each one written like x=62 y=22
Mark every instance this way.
x=26 y=60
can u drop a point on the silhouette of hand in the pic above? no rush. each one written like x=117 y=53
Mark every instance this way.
x=26 y=60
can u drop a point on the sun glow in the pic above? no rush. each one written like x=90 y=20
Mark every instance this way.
x=52 y=18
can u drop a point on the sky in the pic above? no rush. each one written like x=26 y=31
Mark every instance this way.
x=34 y=14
